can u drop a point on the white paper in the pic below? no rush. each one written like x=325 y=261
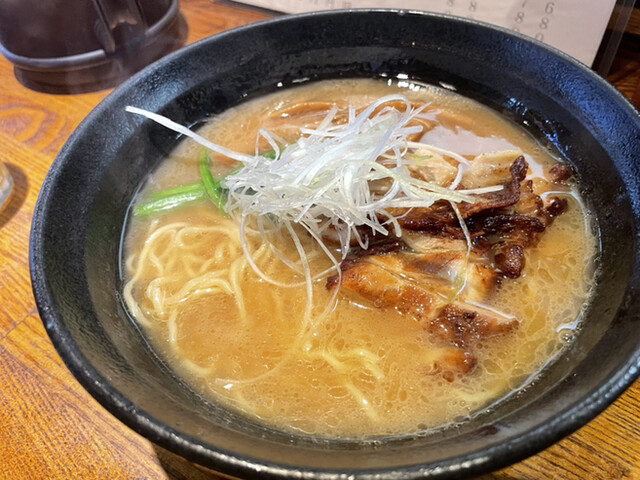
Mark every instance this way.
x=573 y=26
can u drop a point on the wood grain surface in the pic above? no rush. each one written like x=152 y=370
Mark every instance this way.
x=50 y=428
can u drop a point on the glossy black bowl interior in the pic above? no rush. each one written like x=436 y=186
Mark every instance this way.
x=82 y=207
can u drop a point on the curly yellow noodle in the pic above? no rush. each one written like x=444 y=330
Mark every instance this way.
x=363 y=401
x=235 y=272
x=196 y=369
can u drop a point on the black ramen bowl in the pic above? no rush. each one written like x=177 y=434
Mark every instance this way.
x=82 y=209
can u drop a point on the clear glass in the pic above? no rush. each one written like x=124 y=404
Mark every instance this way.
x=6 y=185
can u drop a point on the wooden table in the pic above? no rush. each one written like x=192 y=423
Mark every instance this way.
x=51 y=428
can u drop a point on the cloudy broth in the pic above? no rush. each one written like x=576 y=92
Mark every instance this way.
x=356 y=371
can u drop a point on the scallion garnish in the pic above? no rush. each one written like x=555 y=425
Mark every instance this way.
x=211 y=185
x=173 y=197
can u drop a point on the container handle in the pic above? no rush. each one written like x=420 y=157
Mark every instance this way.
x=111 y=14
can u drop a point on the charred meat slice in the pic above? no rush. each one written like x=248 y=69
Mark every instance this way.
x=481 y=281
x=418 y=285
x=383 y=289
x=435 y=170
x=452 y=362
x=509 y=258
x=460 y=325
x=490 y=169
x=509 y=195
x=382 y=280
x=439 y=267
x=560 y=173
x=440 y=219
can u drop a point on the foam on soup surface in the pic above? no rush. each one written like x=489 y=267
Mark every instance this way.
x=411 y=336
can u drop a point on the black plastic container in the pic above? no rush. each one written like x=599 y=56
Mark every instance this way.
x=74 y=46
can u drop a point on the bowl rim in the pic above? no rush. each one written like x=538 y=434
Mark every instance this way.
x=482 y=460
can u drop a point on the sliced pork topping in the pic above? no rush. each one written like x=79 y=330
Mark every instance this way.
x=439 y=268
x=490 y=169
x=440 y=272
x=509 y=195
x=461 y=325
x=432 y=275
x=509 y=258
x=440 y=219
x=377 y=287
x=421 y=286
x=560 y=173
x=450 y=362
x=434 y=169
x=395 y=279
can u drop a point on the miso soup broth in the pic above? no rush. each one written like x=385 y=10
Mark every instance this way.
x=401 y=341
